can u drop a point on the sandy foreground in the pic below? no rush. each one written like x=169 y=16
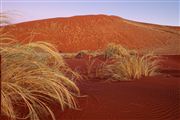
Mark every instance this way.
x=151 y=98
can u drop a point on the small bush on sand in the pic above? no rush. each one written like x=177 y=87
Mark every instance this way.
x=32 y=76
x=114 y=50
x=127 y=64
x=133 y=67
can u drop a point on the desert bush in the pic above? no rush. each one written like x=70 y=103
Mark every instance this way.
x=101 y=70
x=133 y=67
x=33 y=75
x=90 y=67
x=114 y=50
x=128 y=64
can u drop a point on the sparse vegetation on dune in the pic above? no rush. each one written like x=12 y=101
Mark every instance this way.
x=120 y=63
x=116 y=50
x=127 y=64
x=134 y=67
x=96 y=31
x=33 y=75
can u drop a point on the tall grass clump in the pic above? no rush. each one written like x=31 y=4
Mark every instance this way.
x=129 y=64
x=133 y=67
x=113 y=50
x=33 y=76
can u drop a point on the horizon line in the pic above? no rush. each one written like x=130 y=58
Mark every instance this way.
x=62 y=17
x=80 y=1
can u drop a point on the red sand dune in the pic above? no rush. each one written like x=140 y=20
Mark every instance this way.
x=96 y=31
x=151 y=98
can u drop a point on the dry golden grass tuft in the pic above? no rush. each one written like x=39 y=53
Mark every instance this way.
x=122 y=64
x=33 y=75
x=134 y=67
x=128 y=64
x=113 y=50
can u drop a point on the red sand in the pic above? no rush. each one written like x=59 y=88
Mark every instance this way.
x=151 y=98
x=96 y=31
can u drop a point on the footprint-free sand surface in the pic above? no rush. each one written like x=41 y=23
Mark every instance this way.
x=151 y=98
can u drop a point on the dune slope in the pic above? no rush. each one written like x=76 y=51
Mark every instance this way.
x=96 y=31
x=150 y=98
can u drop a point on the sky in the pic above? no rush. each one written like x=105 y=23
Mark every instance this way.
x=164 y=12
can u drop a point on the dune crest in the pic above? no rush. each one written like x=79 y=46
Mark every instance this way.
x=96 y=31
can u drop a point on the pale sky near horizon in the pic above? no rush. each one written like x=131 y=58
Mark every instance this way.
x=164 y=12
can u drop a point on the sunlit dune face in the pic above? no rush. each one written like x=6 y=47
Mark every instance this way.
x=95 y=32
